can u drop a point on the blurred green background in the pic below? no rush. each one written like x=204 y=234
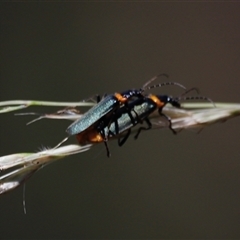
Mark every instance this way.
x=160 y=186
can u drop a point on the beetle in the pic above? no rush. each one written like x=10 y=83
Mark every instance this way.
x=110 y=104
x=121 y=122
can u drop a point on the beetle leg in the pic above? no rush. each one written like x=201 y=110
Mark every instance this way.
x=139 y=120
x=144 y=128
x=98 y=98
x=105 y=140
x=169 y=121
x=106 y=146
x=121 y=141
x=131 y=116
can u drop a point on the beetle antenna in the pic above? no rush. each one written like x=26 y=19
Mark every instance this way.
x=190 y=90
x=145 y=86
x=166 y=84
x=197 y=98
x=153 y=79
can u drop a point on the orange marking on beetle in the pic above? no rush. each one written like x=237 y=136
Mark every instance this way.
x=89 y=136
x=120 y=98
x=95 y=137
x=157 y=100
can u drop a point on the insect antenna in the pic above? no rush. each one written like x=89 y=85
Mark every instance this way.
x=166 y=84
x=190 y=90
x=198 y=98
x=147 y=87
x=183 y=97
x=153 y=79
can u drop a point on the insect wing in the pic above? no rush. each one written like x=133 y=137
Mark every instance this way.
x=92 y=115
x=140 y=110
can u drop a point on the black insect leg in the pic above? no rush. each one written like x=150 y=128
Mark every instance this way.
x=169 y=121
x=144 y=128
x=138 y=119
x=130 y=114
x=105 y=140
x=98 y=98
x=121 y=141
x=106 y=146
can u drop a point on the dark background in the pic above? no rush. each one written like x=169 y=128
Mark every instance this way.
x=160 y=186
